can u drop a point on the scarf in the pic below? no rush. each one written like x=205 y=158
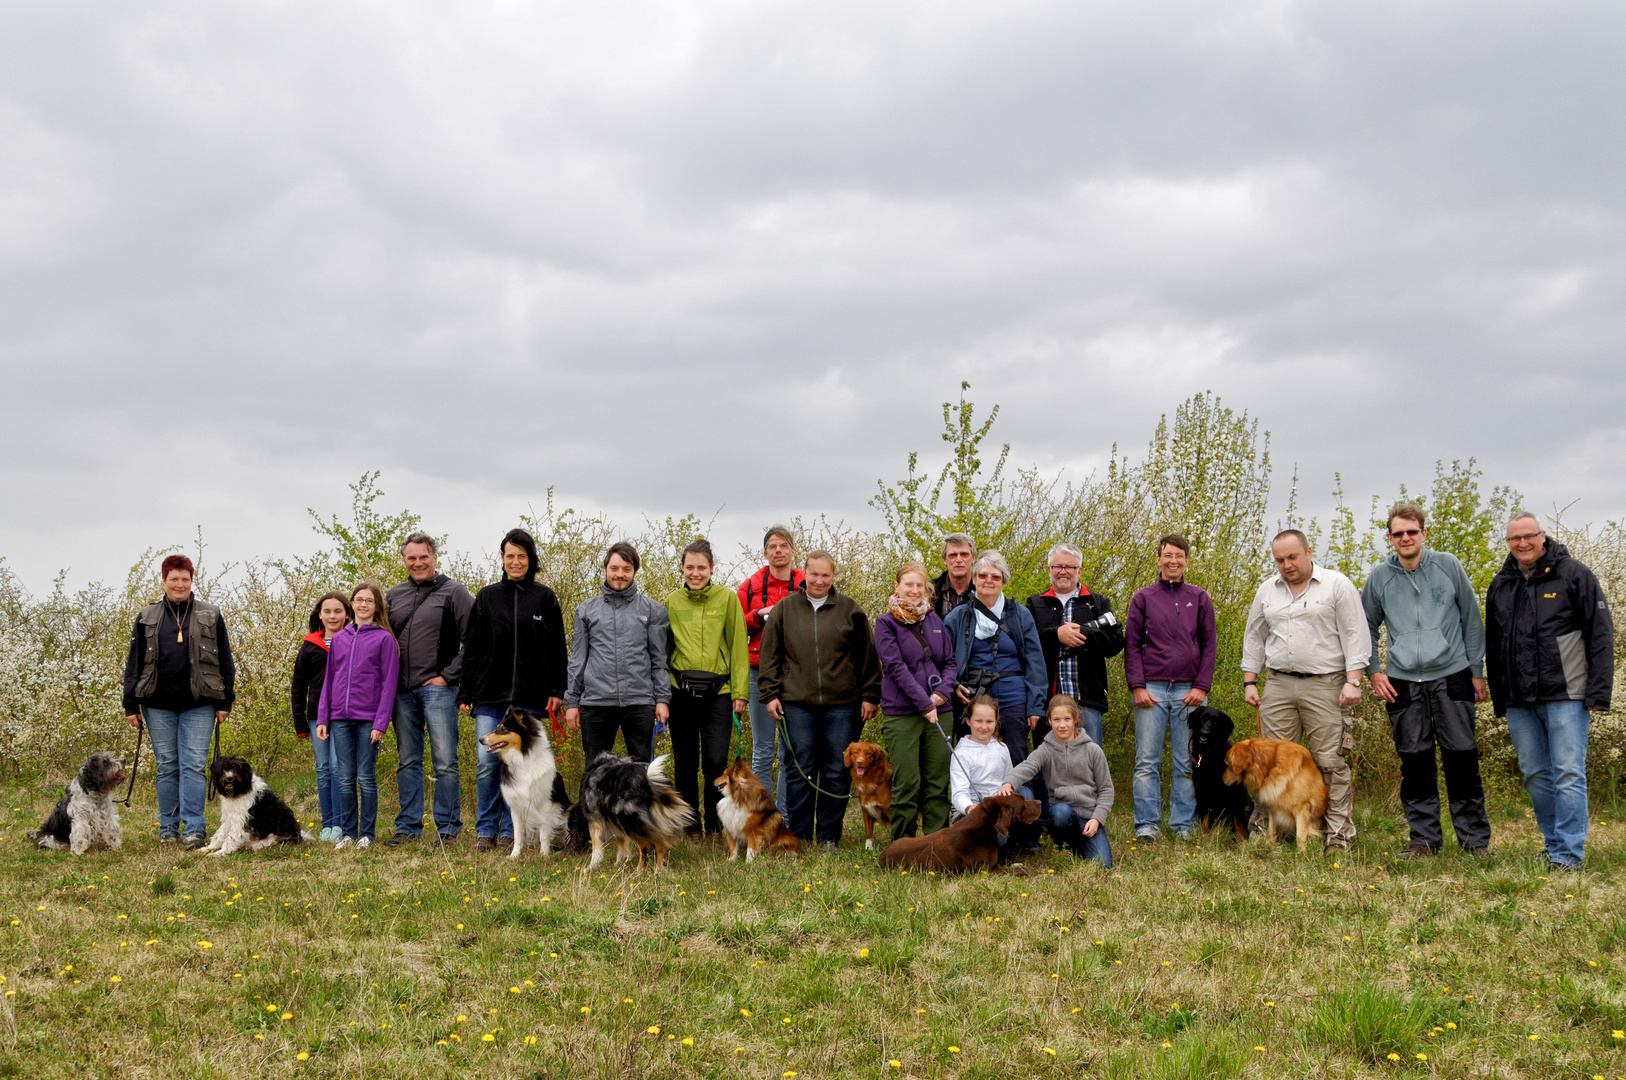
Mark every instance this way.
x=987 y=629
x=906 y=613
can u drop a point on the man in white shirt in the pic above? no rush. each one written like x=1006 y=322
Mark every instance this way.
x=1308 y=629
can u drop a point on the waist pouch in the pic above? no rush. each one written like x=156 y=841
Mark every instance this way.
x=700 y=684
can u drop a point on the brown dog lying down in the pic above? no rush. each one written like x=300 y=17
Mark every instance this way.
x=969 y=844
x=872 y=784
x=1283 y=779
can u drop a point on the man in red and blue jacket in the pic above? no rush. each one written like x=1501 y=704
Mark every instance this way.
x=758 y=595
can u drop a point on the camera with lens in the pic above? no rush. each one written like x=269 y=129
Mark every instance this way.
x=1098 y=625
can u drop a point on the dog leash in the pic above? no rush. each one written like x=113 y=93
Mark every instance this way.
x=214 y=757
x=561 y=736
x=739 y=736
x=135 y=761
x=790 y=752
x=954 y=757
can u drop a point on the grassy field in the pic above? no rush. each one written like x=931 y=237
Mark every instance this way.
x=1199 y=960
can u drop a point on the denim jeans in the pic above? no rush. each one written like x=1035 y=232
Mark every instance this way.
x=1168 y=714
x=765 y=746
x=180 y=753
x=1067 y=831
x=1550 y=738
x=432 y=709
x=354 y=757
x=326 y=789
x=493 y=821
x=818 y=735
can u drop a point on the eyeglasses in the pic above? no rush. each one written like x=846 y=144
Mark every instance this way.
x=1177 y=556
x=1524 y=537
x=1402 y=533
x=1055 y=566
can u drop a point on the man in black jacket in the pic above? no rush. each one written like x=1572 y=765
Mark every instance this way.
x=513 y=657
x=1549 y=658
x=1077 y=631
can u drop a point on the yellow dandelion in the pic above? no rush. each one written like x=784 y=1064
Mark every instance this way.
x=260 y=1038
x=442 y=1042
x=116 y=979
x=788 y=1074
x=513 y=989
x=488 y=1037
x=302 y=1056
x=206 y=944
x=1534 y=1038
x=586 y=1009
x=1046 y=1049
x=530 y=1040
x=1422 y=1057
x=287 y=1016
x=1393 y=1056
x=954 y=1049
x=1168 y=1045
x=1270 y=1004
x=460 y=926
x=653 y=1030
x=745 y=1013
x=1451 y=1025
x=688 y=1042
x=863 y=954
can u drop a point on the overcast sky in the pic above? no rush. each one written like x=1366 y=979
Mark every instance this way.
x=670 y=257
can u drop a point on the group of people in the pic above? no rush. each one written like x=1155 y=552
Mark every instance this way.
x=977 y=694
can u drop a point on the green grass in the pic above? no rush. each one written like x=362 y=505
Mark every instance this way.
x=1185 y=961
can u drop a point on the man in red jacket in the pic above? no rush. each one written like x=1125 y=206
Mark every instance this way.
x=758 y=595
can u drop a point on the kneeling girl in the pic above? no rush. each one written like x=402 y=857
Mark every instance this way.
x=1080 y=784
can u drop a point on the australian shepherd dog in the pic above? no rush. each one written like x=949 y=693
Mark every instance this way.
x=632 y=804
x=531 y=784
x=1283 y=779
x=748 y=814
x=85 y=814
x=251 y=814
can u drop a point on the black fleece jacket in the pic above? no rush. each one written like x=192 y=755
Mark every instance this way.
x=514 y=650
x=305 y=691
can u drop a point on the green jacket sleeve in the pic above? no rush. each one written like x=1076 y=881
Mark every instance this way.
x=737 y=645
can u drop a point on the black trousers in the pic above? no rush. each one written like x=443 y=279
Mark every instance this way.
x=700 y=731
x=1439 y=711
x=636 y=723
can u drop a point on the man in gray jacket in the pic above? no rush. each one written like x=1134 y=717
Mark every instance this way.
x=618 y=679
x=1434 y=674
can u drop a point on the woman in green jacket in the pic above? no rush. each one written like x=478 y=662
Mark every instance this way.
x=711 y=670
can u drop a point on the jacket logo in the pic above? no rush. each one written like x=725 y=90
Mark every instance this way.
x=537 y=618
x=1549 y=595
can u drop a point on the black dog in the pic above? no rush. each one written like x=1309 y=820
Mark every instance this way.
x=1217 y=801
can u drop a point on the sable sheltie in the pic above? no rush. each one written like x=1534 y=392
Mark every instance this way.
x=85 y=814
x=531 y=784
x=748 y=814
x=251 y=814
x=633 y=804
x=872 y=783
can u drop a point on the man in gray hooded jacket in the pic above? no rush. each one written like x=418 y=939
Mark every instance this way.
x=617 y=677
x=1434 y=674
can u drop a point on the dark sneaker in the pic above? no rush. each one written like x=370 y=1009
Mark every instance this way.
x=446 y=839
x=1146 y=838
x=400 y=838
x=195 y=841
x=1480 y=852
x=483 y=843
x=1418 y=851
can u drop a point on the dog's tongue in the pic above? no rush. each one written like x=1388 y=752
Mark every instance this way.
x=117 y=777
x=861 y=769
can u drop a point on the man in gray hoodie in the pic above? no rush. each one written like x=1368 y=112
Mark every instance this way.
x=1434 y=674
x=617 y=680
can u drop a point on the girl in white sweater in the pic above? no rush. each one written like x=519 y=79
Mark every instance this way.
x=980 y=761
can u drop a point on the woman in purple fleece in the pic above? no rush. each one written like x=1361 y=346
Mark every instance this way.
x=358 y=695
x=917 y=679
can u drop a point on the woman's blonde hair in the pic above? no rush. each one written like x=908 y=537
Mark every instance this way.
x=988 y=700
x=918 y=568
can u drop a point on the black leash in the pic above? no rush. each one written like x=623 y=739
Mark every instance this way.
x=214 y=757
x=135 y=760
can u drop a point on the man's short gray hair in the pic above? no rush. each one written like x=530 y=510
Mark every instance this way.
x=1064 y=549
x=420 y=537
x=994 y=559
x=957 y=540
x=1522 y=515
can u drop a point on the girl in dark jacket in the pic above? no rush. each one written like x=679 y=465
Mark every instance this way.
x=331 y=614
x=358 y=696
x=513 y=657
x=917 y=679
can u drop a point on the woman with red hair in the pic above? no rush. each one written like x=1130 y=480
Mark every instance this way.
x=180 y=676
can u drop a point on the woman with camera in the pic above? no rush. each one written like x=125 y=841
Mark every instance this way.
x=711 y=672
x=917 y=679
x=997 y=652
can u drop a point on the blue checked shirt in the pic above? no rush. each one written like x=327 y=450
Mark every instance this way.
x=1067 y=666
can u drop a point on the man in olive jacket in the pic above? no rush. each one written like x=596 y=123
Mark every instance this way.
x=821 y=678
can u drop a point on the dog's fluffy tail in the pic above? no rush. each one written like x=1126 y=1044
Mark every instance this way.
x=782 y=839
x=669 y=813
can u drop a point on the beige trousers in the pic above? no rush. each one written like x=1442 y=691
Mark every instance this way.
x=1308 y=709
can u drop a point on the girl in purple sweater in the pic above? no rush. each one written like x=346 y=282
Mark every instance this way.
x=917 y=679
x=358 y=695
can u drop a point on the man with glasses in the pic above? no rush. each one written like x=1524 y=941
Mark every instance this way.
x=954 y=586
x=1550 y=657
x=1077 y=631
x=1429 y=681
x=1169 y=656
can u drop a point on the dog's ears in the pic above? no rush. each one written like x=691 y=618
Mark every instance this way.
x=847 y=755
x=881 y=758
x=1003 y=825
x=1030 y=811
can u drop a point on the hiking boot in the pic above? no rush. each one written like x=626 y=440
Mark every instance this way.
x=446 y=839
x=1337 y=843
x=1418 y=851
x=1146 y=838
x=483 y=843
x=195 y=841
x=400 y=838
x=1480 y=852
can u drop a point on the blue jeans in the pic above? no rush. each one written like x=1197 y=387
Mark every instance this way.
x=494 y=819
x=818 y=735
x=326 y=789
x=1067 y=830
x=1550 y=738
x=1168 y=714
x=180 y=753
x=765 y=746
x=354 y=757
x=432 y=709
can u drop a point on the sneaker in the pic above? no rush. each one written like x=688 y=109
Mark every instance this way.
x=1337 y=843
x=1146 y=838
x=483 y=843
x=344 y=842
x=330 y=834
x=170 y=839
x=1418 y=851
x=1183 y=835
x=400 y=838
x=446 y=839
x=195 y=841
x=364 y=843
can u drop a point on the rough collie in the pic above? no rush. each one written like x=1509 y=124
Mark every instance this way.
x=85 y=814
x=531 y=784
x=748 y=814
x=251 y=814
x=1283 y=779
x=633 y=804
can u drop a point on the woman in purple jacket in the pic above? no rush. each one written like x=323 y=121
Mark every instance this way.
x=917 y=679
x=358 y=695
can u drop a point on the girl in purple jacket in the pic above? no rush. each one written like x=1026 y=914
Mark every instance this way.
x=358 y=695
x=917 y=679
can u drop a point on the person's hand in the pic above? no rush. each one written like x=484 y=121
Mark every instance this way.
x=134 y=720
x=321 y=731
x=436 y=681
x=1005 y=789
x=1481 y=689
x=377 y=736
x=1250 y=694
x=938 y=699
x=463 y=706
x=1033 y=722
x=1349 y=693
x=573 y=719
x=1070 y=635
x=1195 y=697
x=1091 y=827
x=867 y=710
x=776 y=710
x=930 y=716
x=1143 y=698
x=555 y=704
x=220 y=716
x=662 y=711
x=1383 y=688
x=741 y=707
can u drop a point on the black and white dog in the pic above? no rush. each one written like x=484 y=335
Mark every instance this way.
x=251 y=814
x=85 y=814
x=1217 y=801
x=531 y=784
x=632 y=803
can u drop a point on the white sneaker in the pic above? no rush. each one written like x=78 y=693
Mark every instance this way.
x=364 y=843
x=344 y=842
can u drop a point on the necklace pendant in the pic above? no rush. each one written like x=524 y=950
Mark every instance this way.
x=178 y=637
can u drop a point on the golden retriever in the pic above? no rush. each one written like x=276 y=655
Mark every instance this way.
x=1283 y=779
